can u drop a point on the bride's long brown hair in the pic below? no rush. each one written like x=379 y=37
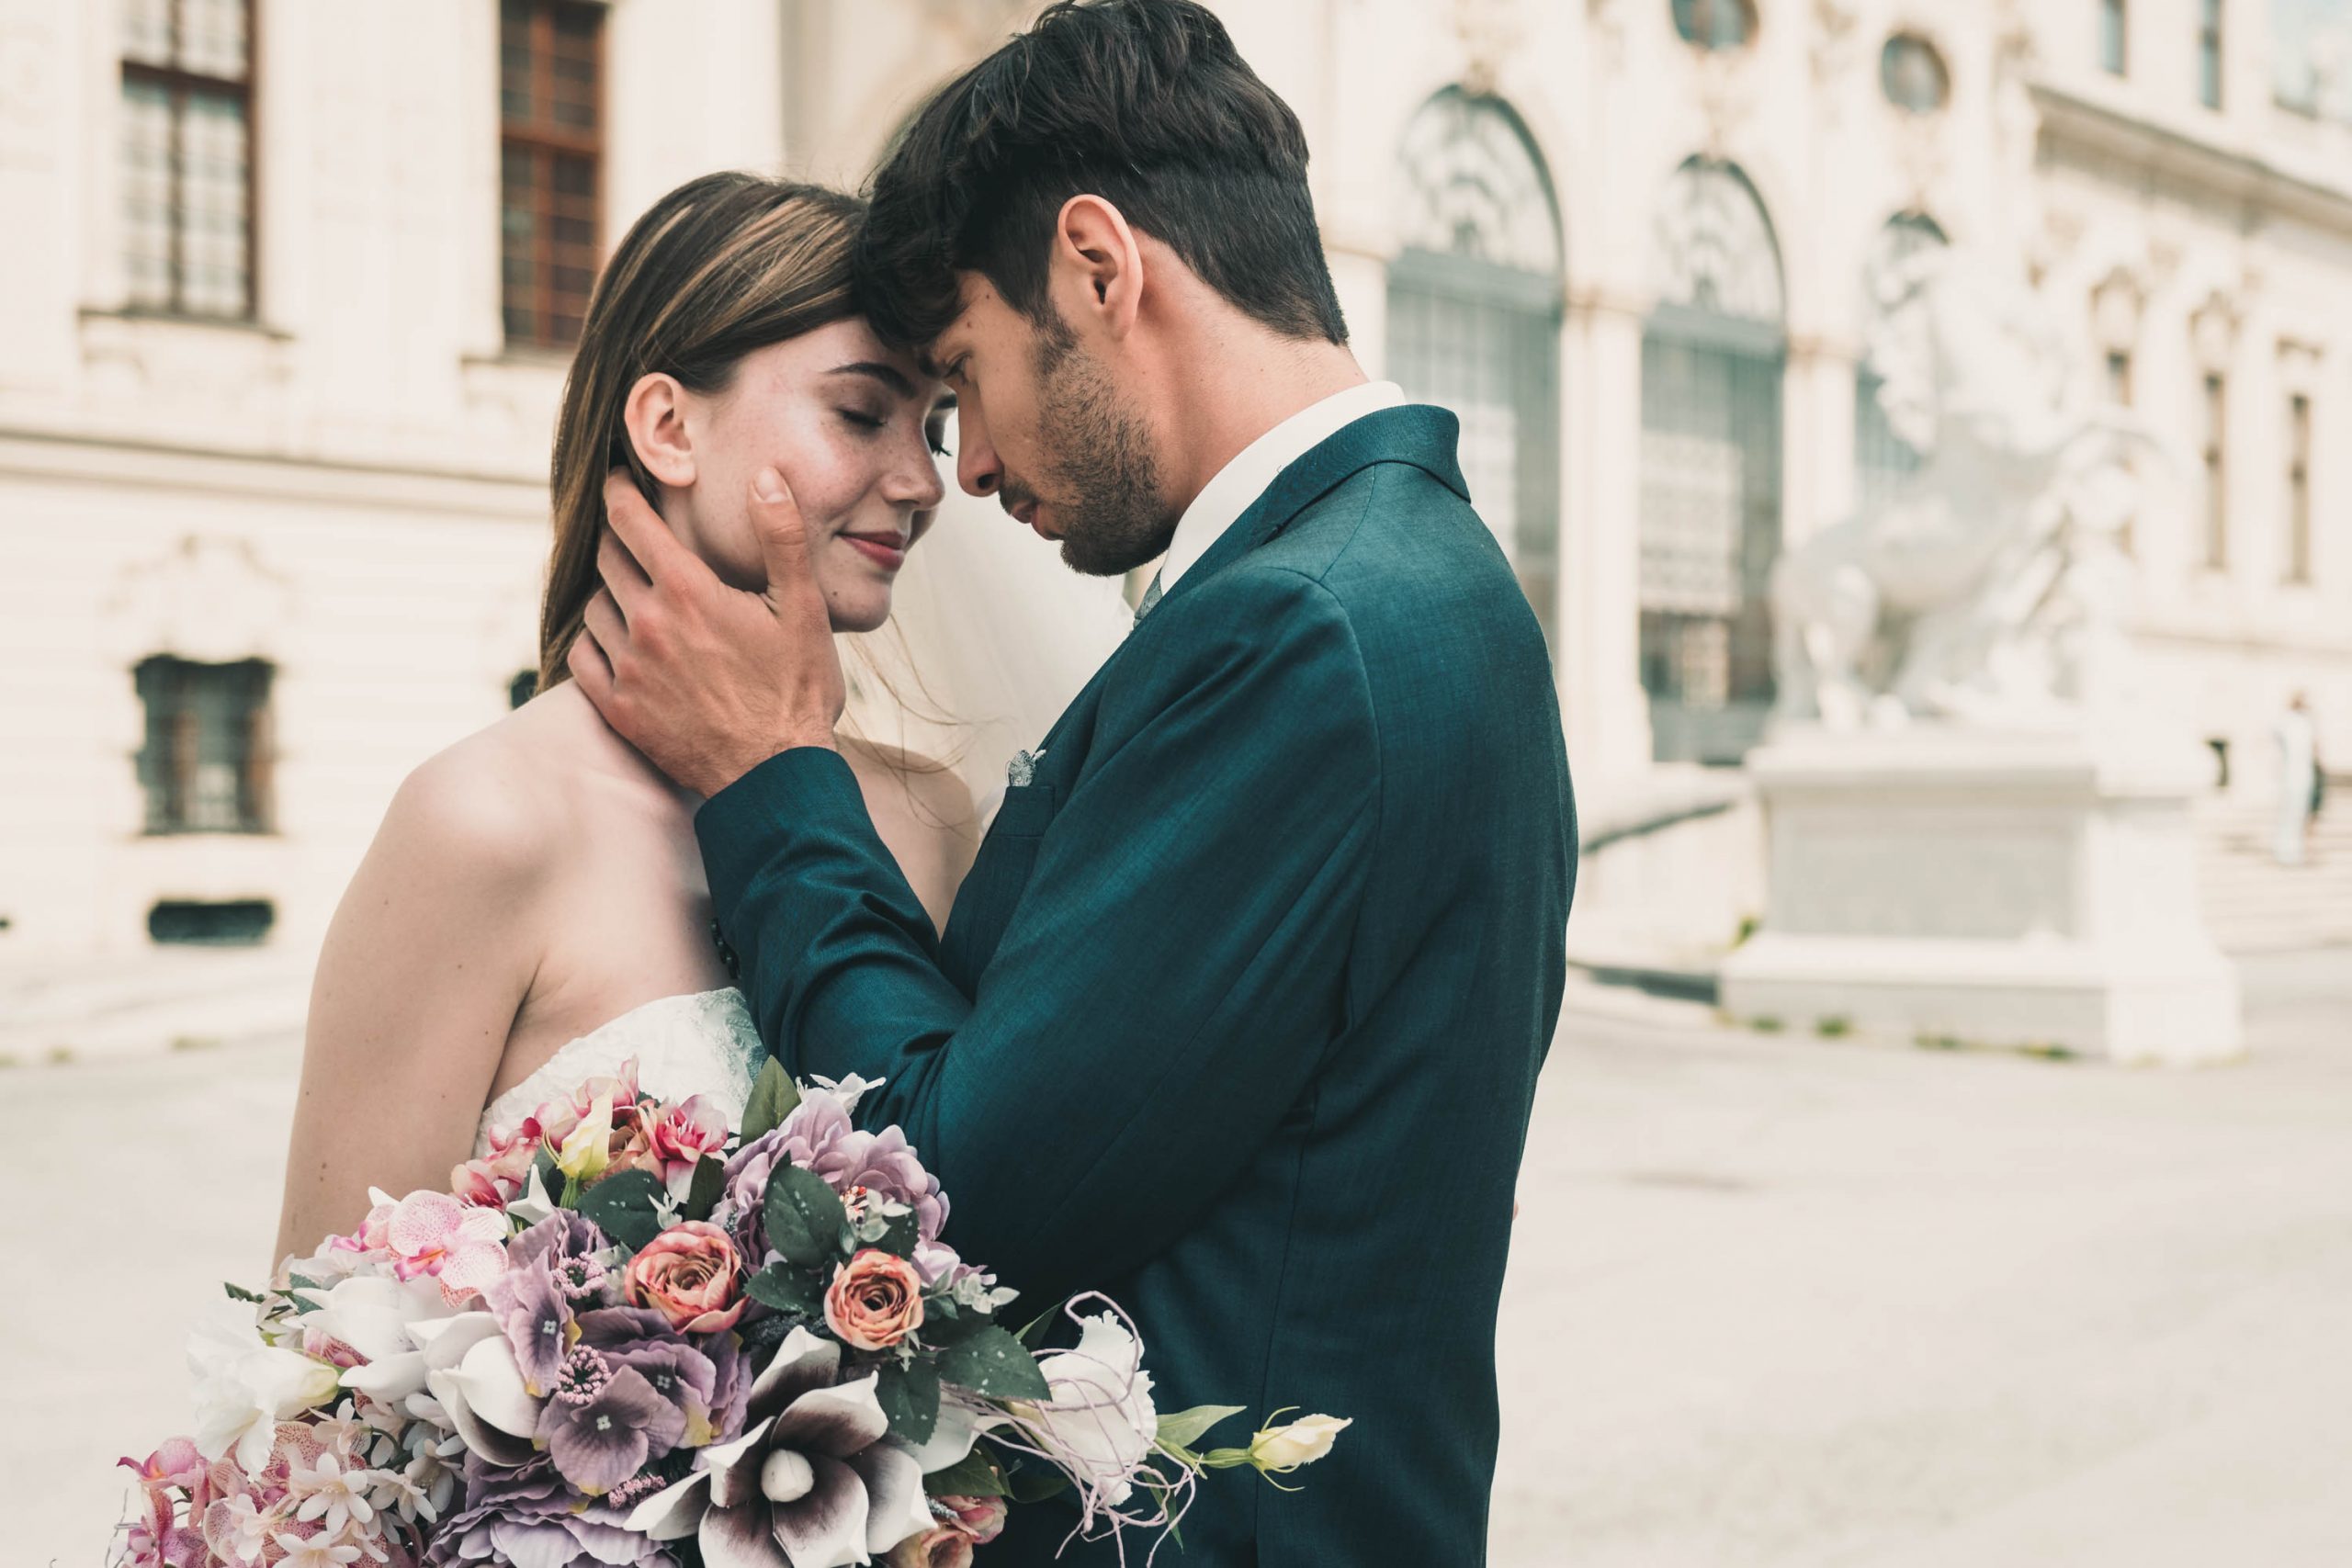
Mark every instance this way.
x=723 y=265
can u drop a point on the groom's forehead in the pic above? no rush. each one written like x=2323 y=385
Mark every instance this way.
x=977 y=305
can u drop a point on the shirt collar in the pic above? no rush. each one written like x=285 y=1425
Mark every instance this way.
x=1256 y=467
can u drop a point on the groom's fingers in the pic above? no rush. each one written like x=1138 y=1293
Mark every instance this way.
x=603 y=619
x=784 y=536
x=624 y=579
x=590 y=670
x=648 y=539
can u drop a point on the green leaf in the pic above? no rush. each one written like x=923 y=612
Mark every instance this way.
x=550 y=1180
x=773 y=1095
x=239 y=1294
x=786 y=1288
x=804 y=1216
x=945 y=1323
x=908 y=1394
x=621 y=1205
x=709 y=1185
x=1186 y=1427
x=974 y=1475
x=1036 y=1483
x=900 y=1234
x=993 y=1365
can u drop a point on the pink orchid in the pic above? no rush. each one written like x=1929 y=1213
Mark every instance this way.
x=499 y=1178
x=461 y=1246
x=177 y=1463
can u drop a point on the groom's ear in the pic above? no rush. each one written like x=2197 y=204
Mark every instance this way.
x=655 y=415
x=1096 y=270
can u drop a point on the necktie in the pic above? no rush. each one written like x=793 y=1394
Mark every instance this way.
x=1150 y=600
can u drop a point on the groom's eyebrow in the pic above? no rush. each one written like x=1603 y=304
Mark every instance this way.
x=889 y=376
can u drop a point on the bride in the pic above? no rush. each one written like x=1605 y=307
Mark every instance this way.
x=533 y=911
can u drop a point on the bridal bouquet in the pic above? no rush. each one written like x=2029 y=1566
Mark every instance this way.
x=633 y=1335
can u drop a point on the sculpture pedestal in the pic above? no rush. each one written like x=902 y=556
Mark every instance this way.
x=1947 y=886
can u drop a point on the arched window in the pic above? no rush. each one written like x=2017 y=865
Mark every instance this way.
x=1473 y=317
x=1882 y=457
x=1711 y=361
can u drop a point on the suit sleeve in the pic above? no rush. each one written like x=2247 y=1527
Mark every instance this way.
x=1170 y=981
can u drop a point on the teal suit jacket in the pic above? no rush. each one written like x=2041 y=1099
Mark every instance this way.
x=1238 y=1016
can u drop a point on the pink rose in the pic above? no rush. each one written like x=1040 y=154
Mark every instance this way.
x=981 y=1518
x=945 y=1547
x=875 y=1301
x=688 y=1275
x=678 y=1136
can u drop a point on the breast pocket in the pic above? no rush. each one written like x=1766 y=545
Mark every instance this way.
x=1000 y=874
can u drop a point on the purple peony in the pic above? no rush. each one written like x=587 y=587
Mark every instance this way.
x=528 y=1517
x=820 y=1135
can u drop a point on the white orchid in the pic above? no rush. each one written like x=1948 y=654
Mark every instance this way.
x=1100 y=1422
x=245 y=1387
x=375 y=1315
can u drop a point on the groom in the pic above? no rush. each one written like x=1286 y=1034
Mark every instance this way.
x=1239 y=1015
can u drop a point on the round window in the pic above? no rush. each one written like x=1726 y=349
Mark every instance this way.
x=1715 y=24
x=1913 y=74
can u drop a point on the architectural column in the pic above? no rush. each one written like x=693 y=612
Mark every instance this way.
x=1817 y=441
x=1603 y=705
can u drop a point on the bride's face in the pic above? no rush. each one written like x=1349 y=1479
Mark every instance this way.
x=853 y=429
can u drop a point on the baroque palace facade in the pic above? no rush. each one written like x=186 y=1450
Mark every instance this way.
x=286 y=314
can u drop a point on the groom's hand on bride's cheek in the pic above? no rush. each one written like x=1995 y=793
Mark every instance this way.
x=708 y=681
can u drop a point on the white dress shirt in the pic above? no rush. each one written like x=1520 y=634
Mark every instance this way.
x=1255 y=467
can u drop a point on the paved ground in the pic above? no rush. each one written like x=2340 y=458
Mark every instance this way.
x=1776 y=1302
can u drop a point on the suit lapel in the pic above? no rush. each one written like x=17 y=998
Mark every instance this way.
x=1417 y=435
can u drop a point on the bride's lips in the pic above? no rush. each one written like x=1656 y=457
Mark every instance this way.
x=887 y=551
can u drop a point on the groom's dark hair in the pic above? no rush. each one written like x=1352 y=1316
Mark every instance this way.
x=1145 y=103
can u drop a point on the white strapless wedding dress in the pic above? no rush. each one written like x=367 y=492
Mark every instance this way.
x=704 y=1044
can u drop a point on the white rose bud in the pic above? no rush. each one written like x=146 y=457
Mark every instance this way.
x=1281 y=1449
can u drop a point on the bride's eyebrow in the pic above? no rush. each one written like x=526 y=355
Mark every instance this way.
x=889 y=376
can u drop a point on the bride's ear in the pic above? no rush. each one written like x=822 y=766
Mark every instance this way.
x=656 y=417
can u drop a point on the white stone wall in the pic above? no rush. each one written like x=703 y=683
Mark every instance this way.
x=352 y=487
x=369 y=460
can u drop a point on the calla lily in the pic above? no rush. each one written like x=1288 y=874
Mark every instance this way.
x=471 y=1373
x=588 y=1150
x=810 y=1483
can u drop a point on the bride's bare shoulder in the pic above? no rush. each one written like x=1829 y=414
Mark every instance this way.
x=501 y=801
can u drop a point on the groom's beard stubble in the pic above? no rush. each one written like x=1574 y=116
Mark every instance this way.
x=1102 y=458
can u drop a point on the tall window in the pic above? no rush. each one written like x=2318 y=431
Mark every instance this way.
x=2213 y=441
x=2113 y=37
x=206 y=765
x=188 y=163
x=1713 y=357
x=551 y=140
x=2209 y=53
x=1473 y=317
x=2298 y=488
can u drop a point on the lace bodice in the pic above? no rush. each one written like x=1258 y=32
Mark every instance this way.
x=704 y=1044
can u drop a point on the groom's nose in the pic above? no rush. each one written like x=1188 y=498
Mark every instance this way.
x=978 y=469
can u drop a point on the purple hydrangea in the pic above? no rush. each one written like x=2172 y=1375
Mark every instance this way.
x=530 y=1518
x=551 y=1275
x=820 y=1135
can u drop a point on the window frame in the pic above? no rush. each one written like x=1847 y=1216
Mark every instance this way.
x=2299 y=544
x=180 y=82
x=2212 y=89
x=2214 y=392
x=167 y=780
x=545 y=142
x=2114 y=37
